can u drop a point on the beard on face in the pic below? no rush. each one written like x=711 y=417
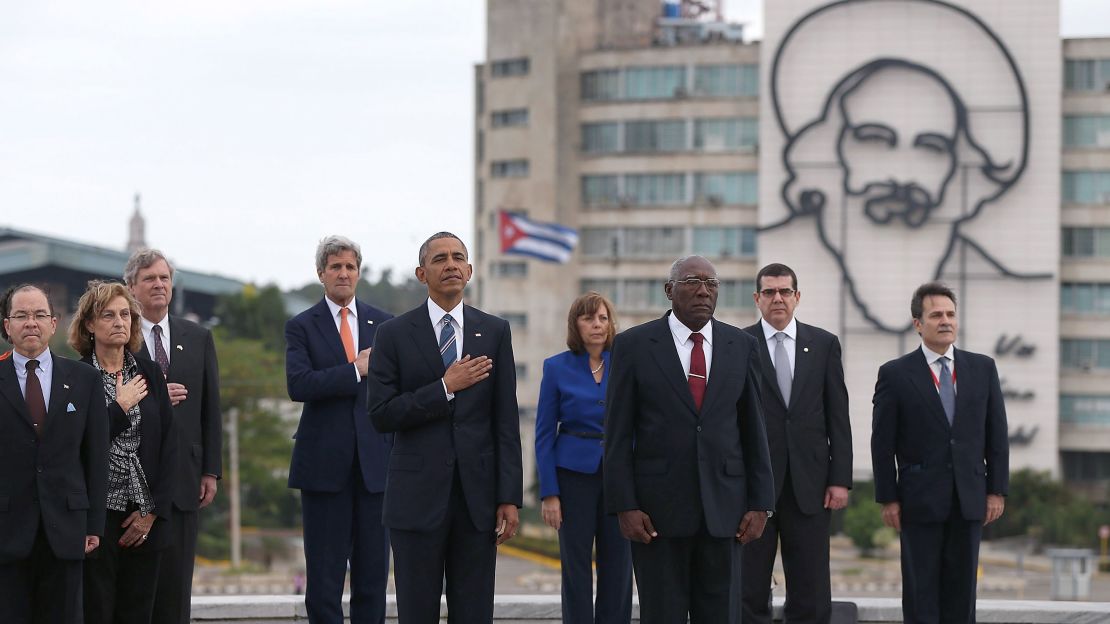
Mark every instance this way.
x=886 y=201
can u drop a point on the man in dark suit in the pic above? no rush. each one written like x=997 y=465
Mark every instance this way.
x=805 y=405
x=444 y=380
x=53 y=467
x=186 y=355
x=339 y=458
x=940 y=453
x=686 y=465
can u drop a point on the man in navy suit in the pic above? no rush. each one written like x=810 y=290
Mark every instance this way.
x=339 y=458
x=53 y=466
x=686 y=467
x=940 y=453
x=443 y=379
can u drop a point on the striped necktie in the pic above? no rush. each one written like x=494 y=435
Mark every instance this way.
x=447 y=342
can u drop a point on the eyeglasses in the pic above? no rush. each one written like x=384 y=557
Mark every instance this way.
x=770 y=292
x=23 y=317
x=711 y=283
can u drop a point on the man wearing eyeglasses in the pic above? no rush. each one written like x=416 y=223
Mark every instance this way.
x=805 y=404
x=53 y=466
x=686 y=468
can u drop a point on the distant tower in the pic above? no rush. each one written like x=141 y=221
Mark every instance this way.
x=137 y=239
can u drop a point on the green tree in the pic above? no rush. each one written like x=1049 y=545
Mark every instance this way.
x=1048 y=512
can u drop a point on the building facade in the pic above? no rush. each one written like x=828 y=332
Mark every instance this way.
x=872 y=146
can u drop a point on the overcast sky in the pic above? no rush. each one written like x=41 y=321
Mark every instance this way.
x=252 y=128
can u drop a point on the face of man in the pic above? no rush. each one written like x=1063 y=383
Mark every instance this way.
x=776 y=300
x=153 y=289
x=30 y=336
x=938 y=323
x=340 y=277
x=693 y=304
x=445 y=271
x=899 y=163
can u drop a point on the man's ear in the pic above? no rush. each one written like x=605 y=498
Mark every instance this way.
x=421 y=275
x=667 y=288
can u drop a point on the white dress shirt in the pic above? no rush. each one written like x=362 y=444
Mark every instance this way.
x=932 y=358
x=352 y=322
x=45 y=372
x=685 y=346
x=148 y=336
x=436 y=314
x=790 y=343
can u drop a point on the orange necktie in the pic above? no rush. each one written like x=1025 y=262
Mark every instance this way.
x=345 y=335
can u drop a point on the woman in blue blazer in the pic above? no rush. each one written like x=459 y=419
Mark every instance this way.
x=569 y=443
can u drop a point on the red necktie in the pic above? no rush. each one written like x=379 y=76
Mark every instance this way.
x=36 y=405
x=696 y=379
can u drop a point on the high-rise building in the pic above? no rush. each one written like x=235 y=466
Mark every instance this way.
x=872 y=146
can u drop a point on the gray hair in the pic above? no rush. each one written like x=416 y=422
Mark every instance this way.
x=333 y=245
x=678 y=263
x=142 y=259
x=423 y=255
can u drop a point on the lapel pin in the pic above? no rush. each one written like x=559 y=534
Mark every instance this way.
x=477 y=335
x=65 y=386
x=180 y=348
x=806 y=349
x=369 y=321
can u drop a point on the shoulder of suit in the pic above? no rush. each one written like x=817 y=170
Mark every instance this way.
x=817 y=332
x=560 y=359
x=973 y=357
x=375 y=313
x=726 y=329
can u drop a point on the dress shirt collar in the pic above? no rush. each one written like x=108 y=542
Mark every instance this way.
x=45 y=360
x=435 y=313
x=352 y=309
x=769 y=331
x=682 y=332
x=931 y=357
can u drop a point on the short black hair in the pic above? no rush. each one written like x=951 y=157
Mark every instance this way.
x=423 y=254
x=6 y=304
x=775 y=269
x=930 y=289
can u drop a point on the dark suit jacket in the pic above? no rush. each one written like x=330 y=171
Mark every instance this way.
x=158 y=450
x=663 y=456
x=333 y=425
x=814 y=436
x=197 y=420
x=479 y=430
x=61 y=477
x=918 y=458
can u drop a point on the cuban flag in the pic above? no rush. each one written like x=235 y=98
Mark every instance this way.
x=546 y=241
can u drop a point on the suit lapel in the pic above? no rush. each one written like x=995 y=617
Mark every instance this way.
x=803 y=361
x=666 y=356
x=365 y=326
x=325 y=324
x=9 y=389
x=424 y=337
x=922 y=379
x=767 y=367
x=176 y=348
x=59 y=394
x=725 y=359
x=965 y=371
x=474 y=341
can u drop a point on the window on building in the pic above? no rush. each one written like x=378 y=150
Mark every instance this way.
x=1085 y=409
x=734 y=187
x=726 y=134
x=479 y=146
x=1087 y=75
x=600 y=242
x=601 y=138
x=1085 y=242
x=509 y=168
x=517 y=320
x=653 y=242
x=654 y=83
x=601 y=85
x=607 y=287
x=600 y=190
x=1085 y=466
x=655 y=136
x=1085 y=353
x=1087 y=131
x=655 y=189
x=1086 y=187
x=726 y=80
x=509 y=269
x=509 y=118
x=510 y=67
x=736 y=295
x=724 y=242
x=645 y=294
x=1084 y=298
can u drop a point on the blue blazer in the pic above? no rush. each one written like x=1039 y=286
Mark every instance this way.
x=334 y=421
x=569 y=397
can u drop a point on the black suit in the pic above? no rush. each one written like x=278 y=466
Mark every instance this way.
x=940 y=475
x=52 y=492
x=338 y=464
x=453 y=462
x=694 y=473
x=811 y=449
x=199 y=428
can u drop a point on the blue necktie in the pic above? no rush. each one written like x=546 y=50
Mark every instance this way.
x=447 y=342
x=947 y=391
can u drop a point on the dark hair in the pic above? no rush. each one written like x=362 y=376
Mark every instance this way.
x=423 y=254
x=97 y=297
x=930 y=289
x=6 y=304
x=586 y=305
x=775 y=269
